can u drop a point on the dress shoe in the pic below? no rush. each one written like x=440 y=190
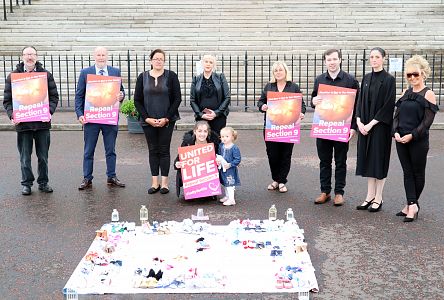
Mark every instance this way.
x=26 y=190
x=164 y=190
x=114 y=181
x=375 y=206
x=45 y=188
x=86 y=183
x=415 y=216
x=338 y=200
x=323 y=197
x=365 y=205
x=153 y=190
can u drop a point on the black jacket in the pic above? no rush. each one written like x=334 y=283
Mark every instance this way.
x=53 y=96
x=342 y=80
x=188 y=140
x=223 y=95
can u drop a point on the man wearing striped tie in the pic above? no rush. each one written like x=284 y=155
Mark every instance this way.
x=91 y=130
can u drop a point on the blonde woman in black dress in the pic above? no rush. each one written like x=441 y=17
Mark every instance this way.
x=415 y=112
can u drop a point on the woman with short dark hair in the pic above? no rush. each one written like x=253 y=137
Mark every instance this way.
x=157 y=98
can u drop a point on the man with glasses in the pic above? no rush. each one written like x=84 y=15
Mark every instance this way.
x=91 y=130
x=335 y=77
x=36 y=132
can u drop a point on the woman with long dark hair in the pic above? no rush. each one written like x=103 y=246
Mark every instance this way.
x=374 y=117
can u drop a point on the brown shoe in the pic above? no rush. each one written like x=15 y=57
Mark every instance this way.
x=339 y=200
x=113 y=181
x=323 y=197
x=85 y=184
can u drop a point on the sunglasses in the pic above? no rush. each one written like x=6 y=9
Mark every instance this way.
x=416 y=75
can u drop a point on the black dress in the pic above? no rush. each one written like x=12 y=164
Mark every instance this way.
x=376 y=101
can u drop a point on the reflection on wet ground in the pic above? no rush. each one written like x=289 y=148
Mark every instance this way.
x=357 y=255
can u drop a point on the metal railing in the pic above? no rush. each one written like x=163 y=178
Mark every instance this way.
x=246 y=74
x=11 y=10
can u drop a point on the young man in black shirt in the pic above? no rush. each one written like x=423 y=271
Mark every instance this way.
x=336 y=77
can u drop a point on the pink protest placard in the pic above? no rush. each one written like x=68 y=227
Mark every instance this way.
x=200 y=175
x=30 y=100
x=101 y=99
x=282 y=123
x=332 y=117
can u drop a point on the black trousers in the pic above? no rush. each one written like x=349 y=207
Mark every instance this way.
x=326 y=149
x=159 y=141
x=25 y=141
x=413 y=158
x=279 y=159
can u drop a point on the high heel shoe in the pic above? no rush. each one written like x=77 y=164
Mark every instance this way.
x=401 y=214
x=375 y=209
x=415 y=216
x=366 y=205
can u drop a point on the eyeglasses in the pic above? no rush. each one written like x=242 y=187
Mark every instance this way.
x=416 y=75
x=157 y=59
x=29 y=54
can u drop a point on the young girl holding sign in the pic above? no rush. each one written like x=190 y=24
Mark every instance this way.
x=201 y=134
x=228 y=159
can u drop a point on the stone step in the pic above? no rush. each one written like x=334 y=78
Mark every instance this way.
x=225 y=26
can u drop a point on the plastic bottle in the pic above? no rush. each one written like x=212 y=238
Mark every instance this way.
x=290 y=215
x=272 y=213
x=115 y=216
x=143 y=215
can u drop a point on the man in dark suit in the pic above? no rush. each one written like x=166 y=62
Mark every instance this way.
x=91 y=130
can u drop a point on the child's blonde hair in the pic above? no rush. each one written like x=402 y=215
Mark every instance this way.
x=231 y=129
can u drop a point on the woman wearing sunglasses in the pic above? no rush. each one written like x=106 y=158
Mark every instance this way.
x=374 y=117
x=414 y=115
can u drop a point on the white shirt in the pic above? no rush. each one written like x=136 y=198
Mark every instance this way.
x=105 y=71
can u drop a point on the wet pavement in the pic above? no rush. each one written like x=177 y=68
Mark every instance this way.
x=357 y=254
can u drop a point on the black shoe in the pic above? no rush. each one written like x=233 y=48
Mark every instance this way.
x=113 y=181
x=365 y=206
x=415 y=216
x=401 y=214
x=164 y=190
x=153 y=190
x=86 y=183
x=45 y=188
x=371 y=208
x=26 y=190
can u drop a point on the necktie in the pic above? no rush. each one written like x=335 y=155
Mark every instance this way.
x=101 y=71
